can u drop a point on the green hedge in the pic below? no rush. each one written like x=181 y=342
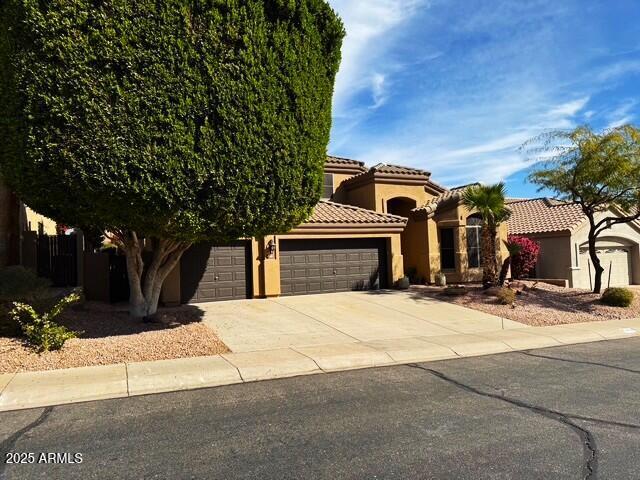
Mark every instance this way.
x=178 y=119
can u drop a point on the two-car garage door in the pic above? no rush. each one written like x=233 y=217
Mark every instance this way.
x=338 y=265
x=210 y=273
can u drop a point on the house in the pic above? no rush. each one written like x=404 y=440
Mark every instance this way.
x=562 y=230
x=371 y=227
x=15 y=219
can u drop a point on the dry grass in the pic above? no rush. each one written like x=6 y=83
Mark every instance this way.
x=541 y=304
x=108 y=335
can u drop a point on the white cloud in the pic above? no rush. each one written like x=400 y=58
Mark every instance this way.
x=371 y=27
x=378 y=90
x=616 y=70
x=569 y=109
x=622 y=114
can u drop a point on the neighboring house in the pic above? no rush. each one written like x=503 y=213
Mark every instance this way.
x=31 y=221
x=562 y=231
x=16 y=218
x=371 y=227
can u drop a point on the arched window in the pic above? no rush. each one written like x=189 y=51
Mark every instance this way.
x=474 y=226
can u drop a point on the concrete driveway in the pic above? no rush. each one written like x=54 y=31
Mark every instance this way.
x=250 y=325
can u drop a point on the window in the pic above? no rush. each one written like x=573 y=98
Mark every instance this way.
x=327 y=185
x=447 y=249
x=474 y=226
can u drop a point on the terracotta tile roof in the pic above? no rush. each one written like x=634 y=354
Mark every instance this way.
x=451 y=195
x=399 y=170
x=344 y=161
x=344 y=165
x=327 y=212
x=539 y=215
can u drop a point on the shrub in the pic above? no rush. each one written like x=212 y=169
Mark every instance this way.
x=20 y=284
x=506 y=296
x=41 y=331
x=524 y=255
x=617 y=297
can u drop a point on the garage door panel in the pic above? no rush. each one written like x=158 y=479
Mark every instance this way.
x=215 y=272
x=616 y=262
x=331 y=265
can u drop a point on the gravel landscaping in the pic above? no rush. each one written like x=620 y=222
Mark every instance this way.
x=107 y=335
x=539 y=305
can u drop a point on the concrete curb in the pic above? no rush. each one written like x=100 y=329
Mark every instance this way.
x=58 y=387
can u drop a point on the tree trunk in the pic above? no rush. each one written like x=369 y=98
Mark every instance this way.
x=145 y=284
x=489 y=266
x=597 y=267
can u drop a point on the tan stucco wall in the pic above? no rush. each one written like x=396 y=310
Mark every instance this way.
x=338 y=178
x=31 y=219
x=555 y=258
x=360 y=196
x=385 y=192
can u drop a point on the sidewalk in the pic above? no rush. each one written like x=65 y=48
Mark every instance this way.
x=54 y=387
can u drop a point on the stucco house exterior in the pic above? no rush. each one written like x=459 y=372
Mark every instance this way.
x=562 y=231
x=372 y=226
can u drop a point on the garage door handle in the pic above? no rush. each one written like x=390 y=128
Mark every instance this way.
x=334 y=272
x=215 y=278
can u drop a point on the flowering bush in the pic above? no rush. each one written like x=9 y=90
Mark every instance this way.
x=524 y=255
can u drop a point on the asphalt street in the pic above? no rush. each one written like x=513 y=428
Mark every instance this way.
x=559 y=413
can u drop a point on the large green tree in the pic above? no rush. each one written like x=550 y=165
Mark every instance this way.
x=599 y=171
x=172 y=121
x=489 y=202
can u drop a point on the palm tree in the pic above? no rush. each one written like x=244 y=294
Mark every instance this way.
x=489 y=202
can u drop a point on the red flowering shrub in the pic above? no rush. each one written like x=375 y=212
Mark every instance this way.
x=524 y=255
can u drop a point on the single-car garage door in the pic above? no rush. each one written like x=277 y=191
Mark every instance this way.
x=210 y=273
x=614 y=259
x=339 y=265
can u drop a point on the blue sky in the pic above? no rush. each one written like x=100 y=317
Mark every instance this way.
x=457 y=86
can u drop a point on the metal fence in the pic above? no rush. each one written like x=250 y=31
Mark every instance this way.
x=57 y=259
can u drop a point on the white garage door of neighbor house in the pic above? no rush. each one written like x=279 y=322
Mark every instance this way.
x=616 y=259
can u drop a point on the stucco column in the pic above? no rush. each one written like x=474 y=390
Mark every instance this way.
x=397 y=260
x=460 y=245
x=433 y=249
x=269 y=270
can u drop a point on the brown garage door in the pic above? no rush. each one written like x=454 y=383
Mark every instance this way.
x=322 y=266
x=211 y=273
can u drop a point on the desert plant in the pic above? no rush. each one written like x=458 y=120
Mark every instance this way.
x=617 y=297
x=42 y=333
x=506 y=296
x=523 y=254
x=489 y=202
x=167 y=123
